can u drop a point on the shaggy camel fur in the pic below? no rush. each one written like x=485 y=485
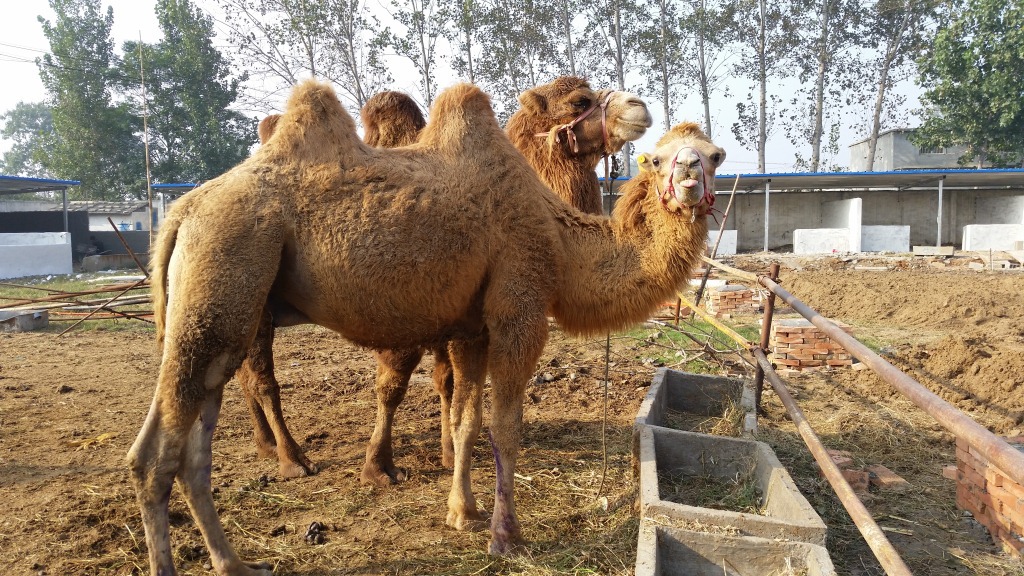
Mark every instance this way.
x=601 y=122
x=370 y=243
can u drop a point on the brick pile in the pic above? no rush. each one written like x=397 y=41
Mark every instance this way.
x=732 y=300
x=796 y=344
x=996 y=501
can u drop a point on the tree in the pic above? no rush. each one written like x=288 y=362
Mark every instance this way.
x=425 y=22
x=974 y=80
x=28 y=126
x=895 y=32
x=93 y=140
x=831 y=28
x=766 y=32
x=195 y=135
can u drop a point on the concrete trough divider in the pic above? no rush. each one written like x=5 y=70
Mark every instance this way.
x=786 y=513
x=670 y=551
x=693 y=394
x=23 y=320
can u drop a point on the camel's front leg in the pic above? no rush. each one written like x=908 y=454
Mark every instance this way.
x=469 y=363
x=263 y=396
x=444 y=385
x=394 y=368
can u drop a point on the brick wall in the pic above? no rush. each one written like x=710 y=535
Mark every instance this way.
x=799 y=345
x=732 y=299
x=996 y=502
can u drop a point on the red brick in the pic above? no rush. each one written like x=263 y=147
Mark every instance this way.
x=858 y=479
x=949 y=472
x=840 y=458
x=839 y=362
x=786 y=362
x=886 y=479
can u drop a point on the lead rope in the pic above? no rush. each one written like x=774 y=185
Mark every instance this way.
x=607 y=361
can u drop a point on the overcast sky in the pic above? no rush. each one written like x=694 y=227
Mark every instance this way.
x=23 y=41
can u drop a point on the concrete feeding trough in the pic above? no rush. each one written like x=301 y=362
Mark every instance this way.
x=669 y=551
x=692 y=394
x=784 y=512
x=23 y=320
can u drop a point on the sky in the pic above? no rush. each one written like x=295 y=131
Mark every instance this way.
x=23 y=41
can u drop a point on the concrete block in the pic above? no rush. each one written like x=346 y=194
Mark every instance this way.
x=669 y=551
x=35 y=254
x=111 y=262
x=933 y=250
x=23 y=320
x=885 y=239
x=821 y=240
x=992 y=236
x=786 y=514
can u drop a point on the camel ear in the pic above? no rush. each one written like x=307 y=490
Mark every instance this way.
x=533 y=102
x=267 y=126
x=717 y=158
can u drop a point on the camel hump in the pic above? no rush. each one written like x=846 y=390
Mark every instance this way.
x=314 y=126
x=461 y=117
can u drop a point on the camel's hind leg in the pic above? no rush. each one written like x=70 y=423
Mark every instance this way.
x=175 y=442
x=444 y=385
x=263 y=396
x=469 y=362
x=394 y=368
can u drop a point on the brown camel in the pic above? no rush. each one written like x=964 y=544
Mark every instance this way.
x=599 y=124
x=369 y=242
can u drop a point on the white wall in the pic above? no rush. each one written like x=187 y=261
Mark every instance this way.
x=35 y=253
x=844 y=214
x=821 y=240
x=1005 y=210
x=727 y=247
x=992 y=236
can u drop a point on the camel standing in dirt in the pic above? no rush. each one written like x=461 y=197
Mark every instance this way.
x=368 y=242
x=563 y=129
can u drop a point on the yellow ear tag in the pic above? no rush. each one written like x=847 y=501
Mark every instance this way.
x=640 y=161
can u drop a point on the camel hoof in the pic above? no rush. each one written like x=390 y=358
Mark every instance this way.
x=513 y=544
x=260 y=568
x=266 y=450
x=468 y=522
x=448 y=460
x=247 y=569
x=297 y=469
x=383 y=477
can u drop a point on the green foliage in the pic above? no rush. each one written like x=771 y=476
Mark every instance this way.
x=29 y=126
x=194 y=135
x=974 y=79
x=93 y=139
x=425 y=23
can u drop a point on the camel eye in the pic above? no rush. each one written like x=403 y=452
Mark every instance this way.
x=656 y=162
x=581 y=103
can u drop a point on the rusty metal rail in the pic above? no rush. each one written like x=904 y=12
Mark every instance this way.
x=1004 y=456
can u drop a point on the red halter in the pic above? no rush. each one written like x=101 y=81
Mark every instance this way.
x=571 y=136
x=707 y=195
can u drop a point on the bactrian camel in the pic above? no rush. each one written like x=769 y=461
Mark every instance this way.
x=371 y=243
x=563 y=128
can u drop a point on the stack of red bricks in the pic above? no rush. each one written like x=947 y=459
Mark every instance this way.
x=797 y=344
x=732 y=300
x=996 y=501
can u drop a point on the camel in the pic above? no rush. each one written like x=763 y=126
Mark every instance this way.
x=599 y=124
x=369 y=242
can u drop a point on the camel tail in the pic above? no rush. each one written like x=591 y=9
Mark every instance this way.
x=161 y=260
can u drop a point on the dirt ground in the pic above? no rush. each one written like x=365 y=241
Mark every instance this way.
x=71 y=406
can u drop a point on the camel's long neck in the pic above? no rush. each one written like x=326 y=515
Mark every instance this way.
x=619 y=272
x=570 y=176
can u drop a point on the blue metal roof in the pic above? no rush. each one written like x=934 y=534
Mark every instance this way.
x=175 y=185
x=21 y=185
x=901 y=179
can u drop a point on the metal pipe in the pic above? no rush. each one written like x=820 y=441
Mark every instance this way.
x=766 y=327
x=767 y=189
x=873 y=535
x=714 y=322
x=997 y=451
x=730 y=270
x=938 y=219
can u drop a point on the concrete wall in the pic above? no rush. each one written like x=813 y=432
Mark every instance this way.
x=894 y=151
x=35 y=253
x=727 y=246
x=27 y=205
x=885 y=239
x=78 y=225
x=1004 y=210
x=992 y=236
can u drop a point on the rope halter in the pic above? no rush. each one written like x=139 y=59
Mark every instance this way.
x=568 y=128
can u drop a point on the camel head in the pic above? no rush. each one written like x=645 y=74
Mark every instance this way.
x=683 y=167
x=582 y=120
x=391 y=119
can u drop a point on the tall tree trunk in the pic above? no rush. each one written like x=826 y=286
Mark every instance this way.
x=762 y=77
x=467 y=28
x=663 y=65
x=876 y=114
x=705 y=90
x=819 y=86
x=620 y=73
x=567 y=26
